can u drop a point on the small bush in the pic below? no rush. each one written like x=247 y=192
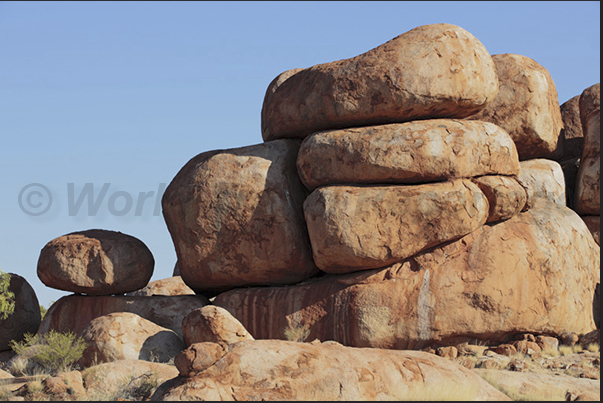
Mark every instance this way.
x=297 y=333
x=7 y=297
x=565 y=350
x=593 y=347
x=54 y=351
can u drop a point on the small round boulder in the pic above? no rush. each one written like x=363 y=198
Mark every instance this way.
x=96 y=262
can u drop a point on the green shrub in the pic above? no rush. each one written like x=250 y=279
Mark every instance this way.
x=54 y=351
x=7 y=297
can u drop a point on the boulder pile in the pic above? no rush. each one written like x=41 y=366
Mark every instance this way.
x=421 y=195
x=403 y=198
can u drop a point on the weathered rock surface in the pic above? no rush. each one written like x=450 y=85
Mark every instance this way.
x=588 y=183
x=167 y=286
x=526 y=106
x=127 y=336
x=413 y=152
x=353 y=228
x=535 y=272
x=74 y=312
x=506 y=197
x=199 y=356
x=96 y=262
x=432 y=71
x=589 y=102
x=26 y=318
x=281 y=370
x=213 y=324
x=236 y=218
x=533 y=386
x=113 y=378
x=65 y=386
x=542 y=178
x=571 y=138
x=593 y=222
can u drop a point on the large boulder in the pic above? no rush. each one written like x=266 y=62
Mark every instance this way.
x=127 y=336
x=542 y=178
x=526 y=106
x=571 y=138
x=73 y=313
x=236 y=218
x=281 y=370
x=26 y=317
x=589 y=102
x=432 y=71
x=588 y=183
x=213 y=324
x=96 y=262
x=167 y=286
x=535 y=272
x=353 y=228
x=413 y=152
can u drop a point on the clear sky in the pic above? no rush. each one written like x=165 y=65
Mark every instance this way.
x=125 y=93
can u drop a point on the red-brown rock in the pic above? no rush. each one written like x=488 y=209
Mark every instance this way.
x=543 y=179
x=432 y=71
x=535 y=272
x=571 y=138
x=167 y=286
x=406 y=153
x=588 y=182
x=236 y=218
x=506 y=197
x=355 y=228
x=127 y=336
x=526 y=106
x=213 y=324
x=96 y=262
x=74 y=312
x=282 y=370
x=593 y=222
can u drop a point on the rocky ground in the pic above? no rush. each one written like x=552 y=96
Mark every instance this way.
x=567 y=373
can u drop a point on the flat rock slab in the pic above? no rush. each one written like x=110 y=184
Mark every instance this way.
x=354 y=228
x=535 y=272
x=526 y=106
x=236 y=218
x=407 y=153
x=96 y=262
x=281 y=370
x=432 y=71
x=73 y=313
x=533 y=386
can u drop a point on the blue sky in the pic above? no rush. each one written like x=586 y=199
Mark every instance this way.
x=126 y=93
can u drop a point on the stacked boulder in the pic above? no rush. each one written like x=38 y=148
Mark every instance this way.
x=104 y=265
x=587 y=193
x=387 y=207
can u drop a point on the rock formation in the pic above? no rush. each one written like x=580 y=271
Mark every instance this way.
x=432 y=71
x=281 y=370
x=96 y=262
x=236 y=218
x=526 y=106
